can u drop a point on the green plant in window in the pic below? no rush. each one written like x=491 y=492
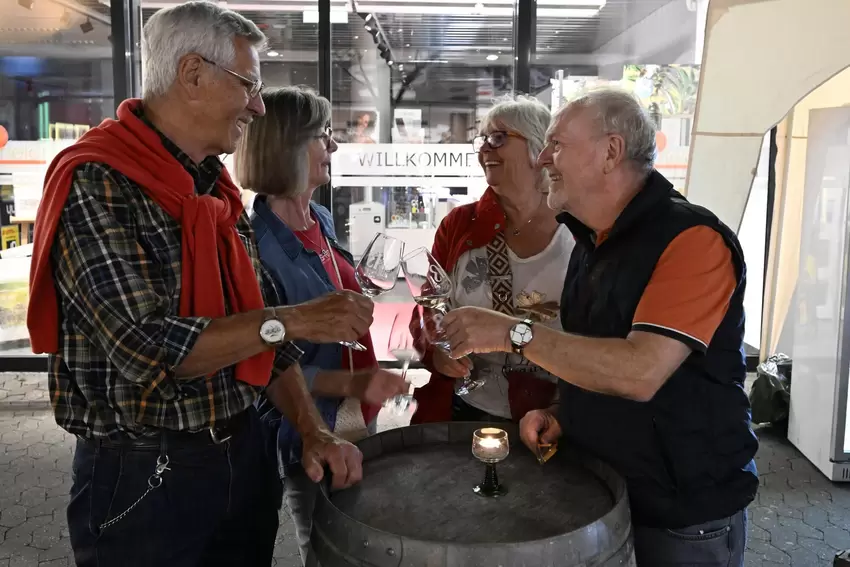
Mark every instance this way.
x=678 y=89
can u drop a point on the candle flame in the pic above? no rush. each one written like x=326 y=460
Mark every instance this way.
x=490 y=442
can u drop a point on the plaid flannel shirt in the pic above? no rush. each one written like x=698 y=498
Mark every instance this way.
x=117 y=267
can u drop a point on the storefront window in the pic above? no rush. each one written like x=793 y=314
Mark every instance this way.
x=410 y=82
x=55 y=83
x=652 y=48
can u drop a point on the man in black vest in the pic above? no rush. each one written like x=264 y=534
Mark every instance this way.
x=651 y=359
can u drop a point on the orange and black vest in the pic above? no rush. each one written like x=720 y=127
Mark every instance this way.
x=687 y=454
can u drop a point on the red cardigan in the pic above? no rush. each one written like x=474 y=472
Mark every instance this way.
x=466 y=228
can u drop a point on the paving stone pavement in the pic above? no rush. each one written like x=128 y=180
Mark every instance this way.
x=799 y=519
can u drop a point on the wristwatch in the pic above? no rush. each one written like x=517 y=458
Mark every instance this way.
x=520 y=335
x=272 y=330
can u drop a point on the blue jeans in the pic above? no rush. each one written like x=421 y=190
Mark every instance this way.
x=217 y=504
x=719 y=543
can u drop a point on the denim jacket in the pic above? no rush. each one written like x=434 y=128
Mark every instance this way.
x=299 y=276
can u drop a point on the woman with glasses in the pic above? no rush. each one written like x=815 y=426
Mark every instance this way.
x=283 y=157
x=504 y=252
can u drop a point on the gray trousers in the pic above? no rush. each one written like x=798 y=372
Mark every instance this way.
x=299 y=496
x=719 y=543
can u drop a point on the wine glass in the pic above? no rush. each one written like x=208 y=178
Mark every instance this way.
x=401 y=347
x=431 y=288
x=377 y=270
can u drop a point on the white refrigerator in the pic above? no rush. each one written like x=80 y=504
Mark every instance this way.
x=820 y=311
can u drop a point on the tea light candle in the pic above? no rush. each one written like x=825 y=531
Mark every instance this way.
x=490 y=445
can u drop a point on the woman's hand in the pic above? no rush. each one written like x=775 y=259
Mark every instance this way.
x=376 y=386
x=453 y=368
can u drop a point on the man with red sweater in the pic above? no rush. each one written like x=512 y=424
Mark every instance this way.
x=148 y=294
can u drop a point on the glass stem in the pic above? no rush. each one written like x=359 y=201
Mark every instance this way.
x=491 y=479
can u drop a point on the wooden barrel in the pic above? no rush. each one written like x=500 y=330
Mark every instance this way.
x=416 y=507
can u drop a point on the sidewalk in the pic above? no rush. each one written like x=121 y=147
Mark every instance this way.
x=799 y=519
x=23 y=390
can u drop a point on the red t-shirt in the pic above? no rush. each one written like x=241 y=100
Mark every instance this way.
x=313 y=240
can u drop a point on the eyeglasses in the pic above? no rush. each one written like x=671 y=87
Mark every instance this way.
x=495 y=139
x=326 y=136
x=253 y=87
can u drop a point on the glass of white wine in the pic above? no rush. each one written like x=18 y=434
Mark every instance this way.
x=377 y=271
x=431 y=288
x=401 y=347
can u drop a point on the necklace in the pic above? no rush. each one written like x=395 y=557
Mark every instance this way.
x=516 y=231
x=320 y=247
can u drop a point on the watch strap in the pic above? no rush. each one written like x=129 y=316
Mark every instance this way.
x=520 y=348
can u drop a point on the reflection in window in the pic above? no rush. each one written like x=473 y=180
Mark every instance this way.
x=407 y=75
x=649 y=47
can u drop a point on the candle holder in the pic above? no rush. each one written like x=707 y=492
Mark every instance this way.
x=490 y=446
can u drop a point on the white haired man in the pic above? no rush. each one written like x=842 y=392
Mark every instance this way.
x=651 y=356
x=149 y=295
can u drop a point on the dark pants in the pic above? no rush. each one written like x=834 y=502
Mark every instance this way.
x=217 y=504
x=719 y=543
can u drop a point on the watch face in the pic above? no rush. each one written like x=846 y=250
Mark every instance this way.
x=521 y=334
x=272 y=331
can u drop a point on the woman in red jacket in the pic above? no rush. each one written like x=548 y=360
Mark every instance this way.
x=505 y=252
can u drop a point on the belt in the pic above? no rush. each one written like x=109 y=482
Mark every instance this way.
x=217 y=435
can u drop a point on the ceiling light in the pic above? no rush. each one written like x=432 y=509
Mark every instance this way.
x=390 y=62
x=86 y=26
x=272 y=53
x=492 y=57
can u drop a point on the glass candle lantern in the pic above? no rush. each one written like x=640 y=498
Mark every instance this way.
x=490 y=446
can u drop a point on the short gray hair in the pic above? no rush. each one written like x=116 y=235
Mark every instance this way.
x=193 y=27
x=272 y=155
x=619 y=112
x=524 y=115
